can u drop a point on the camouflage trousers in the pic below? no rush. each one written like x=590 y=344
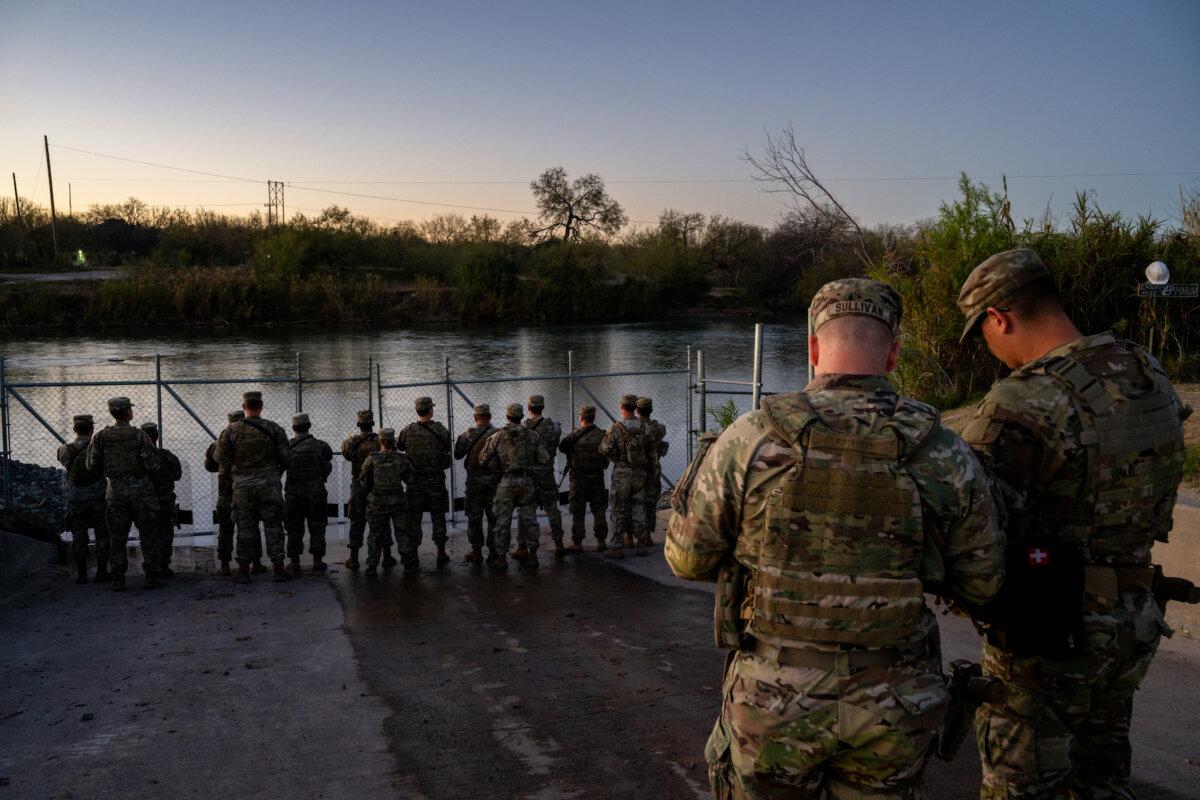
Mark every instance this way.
x=168 y=513
x=1063 y=728
x=85 y=515
x=128 y=505
x=547 y=492
x=254 y=503
x=305 y=505
x=795 y=732
x=516 y=492
x=629 y=505
x=588 y=490
x=385 y=514
x=225 y=529
x=432 y=498
x=480 y=497
x=653 y=491
x=357 y=513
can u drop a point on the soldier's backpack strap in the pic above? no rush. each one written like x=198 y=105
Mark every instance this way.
x=914 y=424
x=789 y=416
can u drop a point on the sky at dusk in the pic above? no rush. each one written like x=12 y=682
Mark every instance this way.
x=464 y=103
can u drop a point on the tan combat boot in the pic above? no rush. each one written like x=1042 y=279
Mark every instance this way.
x=474 y=557
x=224 y=571
x=243 y=575
x=352 y=561
x=319 y=565
x=442 y=558
x=499 y=563
x=388 y=560
x=521 y=553
x=281 y=573
x=258 y=567
x=118 y=582
x=560 y=552
x=294 y=567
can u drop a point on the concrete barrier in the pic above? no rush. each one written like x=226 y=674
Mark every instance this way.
x=21 y=556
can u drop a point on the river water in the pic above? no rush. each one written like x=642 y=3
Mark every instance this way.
x=192 y=411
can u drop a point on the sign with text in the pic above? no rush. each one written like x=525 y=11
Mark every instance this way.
x=1169 y=290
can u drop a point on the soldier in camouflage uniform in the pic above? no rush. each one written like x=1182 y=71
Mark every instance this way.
x=257 y=452
x=169 y=472
x=305 y=495
x=627 y=444
x=126 y=457
x=356 y=449
x=427 y=444
x=482 y=480
x=1086 y=433
x=385 y=474
x=224 y=508
x=519 y=451
x=83 y=492
x=550 y=432
x=586 y=466
x=824 y=517
x=658 y=448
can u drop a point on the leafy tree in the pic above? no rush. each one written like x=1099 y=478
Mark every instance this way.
x=574 y=208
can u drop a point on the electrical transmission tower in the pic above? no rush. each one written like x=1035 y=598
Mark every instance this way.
x=276 y=213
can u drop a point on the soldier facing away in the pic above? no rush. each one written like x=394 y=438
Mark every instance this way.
x=385 y=475
x=356 y=449
x=257 y=452
x=305 y=495
x=482 y=480
x=224 y=508
x=586 y=466
x=824 y=517
x=658 y=448
x=169 y=472
x=83 y=492
x=550 y=432
x=1086 y=433
x=519 y=450
x=127 y=459
x=427 y=444
x=627 y=445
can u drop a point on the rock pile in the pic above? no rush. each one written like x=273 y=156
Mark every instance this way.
x=37 y=502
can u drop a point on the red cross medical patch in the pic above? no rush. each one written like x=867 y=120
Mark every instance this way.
x=1038 y=557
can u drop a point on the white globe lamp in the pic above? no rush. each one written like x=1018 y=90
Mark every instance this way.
x=1157 y=273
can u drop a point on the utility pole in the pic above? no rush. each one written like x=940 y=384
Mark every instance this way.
x=70 y=201
x=275 y=208
x=53 y=215
x=17 y=200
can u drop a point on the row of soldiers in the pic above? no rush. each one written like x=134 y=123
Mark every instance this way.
x=120 y=477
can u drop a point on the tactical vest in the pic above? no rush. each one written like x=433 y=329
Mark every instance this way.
x=548 y=431
x=585 y=453
x=517 y=448
x=839 y=562
x=1135 y=454
x=361 y=447
x=471 y=461
x=308 y=464
x=122 y=451
x=254 y=447
x=426 y=447
x=79 y=477
x=387 y=472
x=169 y=471
x=632 y=444
x=656 y=432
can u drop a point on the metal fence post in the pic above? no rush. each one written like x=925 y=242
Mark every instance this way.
x=4 y=429
x=756 y=388
x=162 y=435
x=571 y=387
x=299 y=383
x=450 y=426
x=702 y=425
x=379 y=391
x=687 y=396
x=370 y=393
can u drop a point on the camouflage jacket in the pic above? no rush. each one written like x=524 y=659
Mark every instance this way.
x=549 y=431
x=726 y=506
x=658 y=445
x=627 y=444
x=79 y=483
x=467 y=448
x=582 y=448
x=122 y=452
x=312 y=460
x=1033 y=429
x=517 y=448
x=224 y=476
x=427 y=445
x=385 y=473
x=356 y=448
x=169 y=471
x=255 y=450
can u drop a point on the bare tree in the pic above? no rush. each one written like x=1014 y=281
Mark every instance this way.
x=783 y=168
x=575 y=207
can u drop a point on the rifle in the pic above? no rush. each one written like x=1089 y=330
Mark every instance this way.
x=1165 y=589
x=566 y=470
x=968 y=689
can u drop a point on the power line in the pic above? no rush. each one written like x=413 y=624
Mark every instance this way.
x=408 y=200
x=159 y=166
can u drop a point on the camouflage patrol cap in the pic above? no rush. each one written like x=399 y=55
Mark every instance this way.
x=587 y=412
x=299 y=420
x=861 y=297
x=514 y=411
x=998 y=277
x=252 y=397
x=629 y=401
x=236 y=416
x=82 y=419
x=645 y=404
x=536 y=402
x=365 y=417
x=387 y=433
x=483 y=410
x=423 y=405
x=116 y=404
x=149 y=427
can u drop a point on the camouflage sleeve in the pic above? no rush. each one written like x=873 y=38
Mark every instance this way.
x=63 y=454
x=148 y=453
x=409 y=472
x=568 y=442
x=94 y=460
x=283 y=450
x=367 y=475
x=174 y=469
x=348 y=448
x=489 y=449
x=326 y=459
x=964 y=553
x=543 y=457
x=210 y=459
x=462 y=445
x=608 y=445
x=704 y=533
